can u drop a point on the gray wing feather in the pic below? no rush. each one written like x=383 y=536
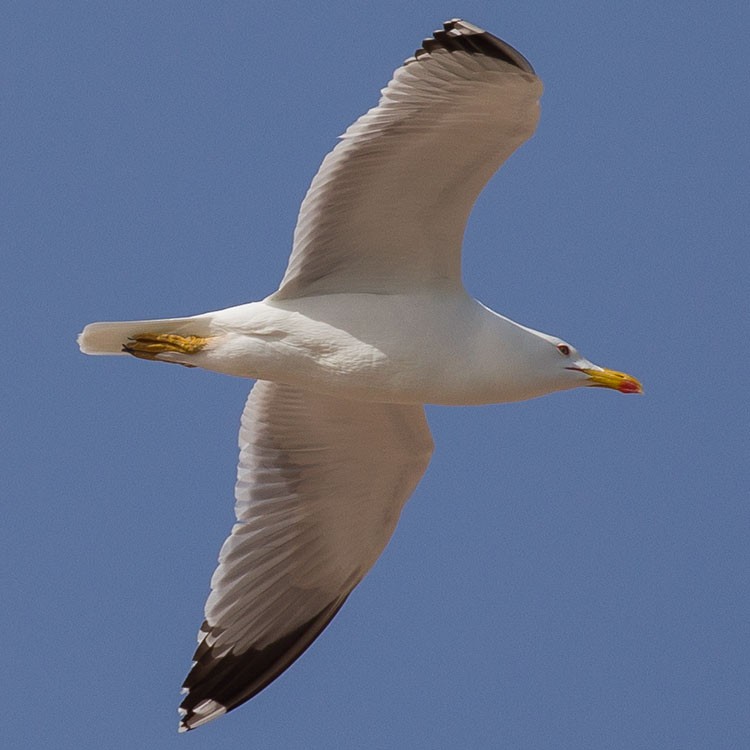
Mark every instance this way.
x=321 y=484
x=387 y=210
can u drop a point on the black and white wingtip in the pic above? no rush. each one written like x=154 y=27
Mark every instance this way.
x=462 y=36
x=217 y=683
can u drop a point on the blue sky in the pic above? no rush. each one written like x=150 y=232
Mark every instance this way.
x=572 y=572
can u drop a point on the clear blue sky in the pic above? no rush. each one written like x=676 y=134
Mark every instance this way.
x=572 y=572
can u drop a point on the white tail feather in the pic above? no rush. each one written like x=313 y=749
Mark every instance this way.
x=110 y=338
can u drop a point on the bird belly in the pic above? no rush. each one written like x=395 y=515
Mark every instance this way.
x=365 y=347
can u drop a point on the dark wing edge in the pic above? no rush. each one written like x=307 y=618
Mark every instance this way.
x=217 y=684
x=413 y=166
x=320 y=488
x=459 y=35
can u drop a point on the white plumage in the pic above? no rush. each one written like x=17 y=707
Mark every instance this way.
x=370 y=322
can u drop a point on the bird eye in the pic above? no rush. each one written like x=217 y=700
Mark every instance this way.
x=564 y=349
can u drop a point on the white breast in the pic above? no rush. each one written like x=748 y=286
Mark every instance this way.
x=441 y=346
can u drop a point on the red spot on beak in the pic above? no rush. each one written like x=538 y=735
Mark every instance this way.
x=630 y=386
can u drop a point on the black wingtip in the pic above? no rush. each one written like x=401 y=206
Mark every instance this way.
x=461 y=36
x=217 y=684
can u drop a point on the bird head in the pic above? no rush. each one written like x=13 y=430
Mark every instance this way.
x=580 y=372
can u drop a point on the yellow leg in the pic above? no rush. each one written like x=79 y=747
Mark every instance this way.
x=150 y=345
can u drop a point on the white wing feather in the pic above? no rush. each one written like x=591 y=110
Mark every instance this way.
x=321 y=484
x=386 y=212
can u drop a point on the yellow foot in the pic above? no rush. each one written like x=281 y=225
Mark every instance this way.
x=150 y=345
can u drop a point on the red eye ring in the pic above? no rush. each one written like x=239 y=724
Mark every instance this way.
x=564 y=349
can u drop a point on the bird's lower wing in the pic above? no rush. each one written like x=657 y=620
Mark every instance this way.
x=321 y=484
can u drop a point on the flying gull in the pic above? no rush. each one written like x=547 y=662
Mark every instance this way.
x=371 y=322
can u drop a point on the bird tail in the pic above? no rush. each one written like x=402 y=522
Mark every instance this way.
x=113 y=338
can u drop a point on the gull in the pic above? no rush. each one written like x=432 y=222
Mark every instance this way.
x=371 y=321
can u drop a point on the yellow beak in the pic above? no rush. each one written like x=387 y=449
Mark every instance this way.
x=619 y=381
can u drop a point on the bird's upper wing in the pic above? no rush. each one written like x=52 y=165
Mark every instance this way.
x=386 y=212
x=321 y=484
